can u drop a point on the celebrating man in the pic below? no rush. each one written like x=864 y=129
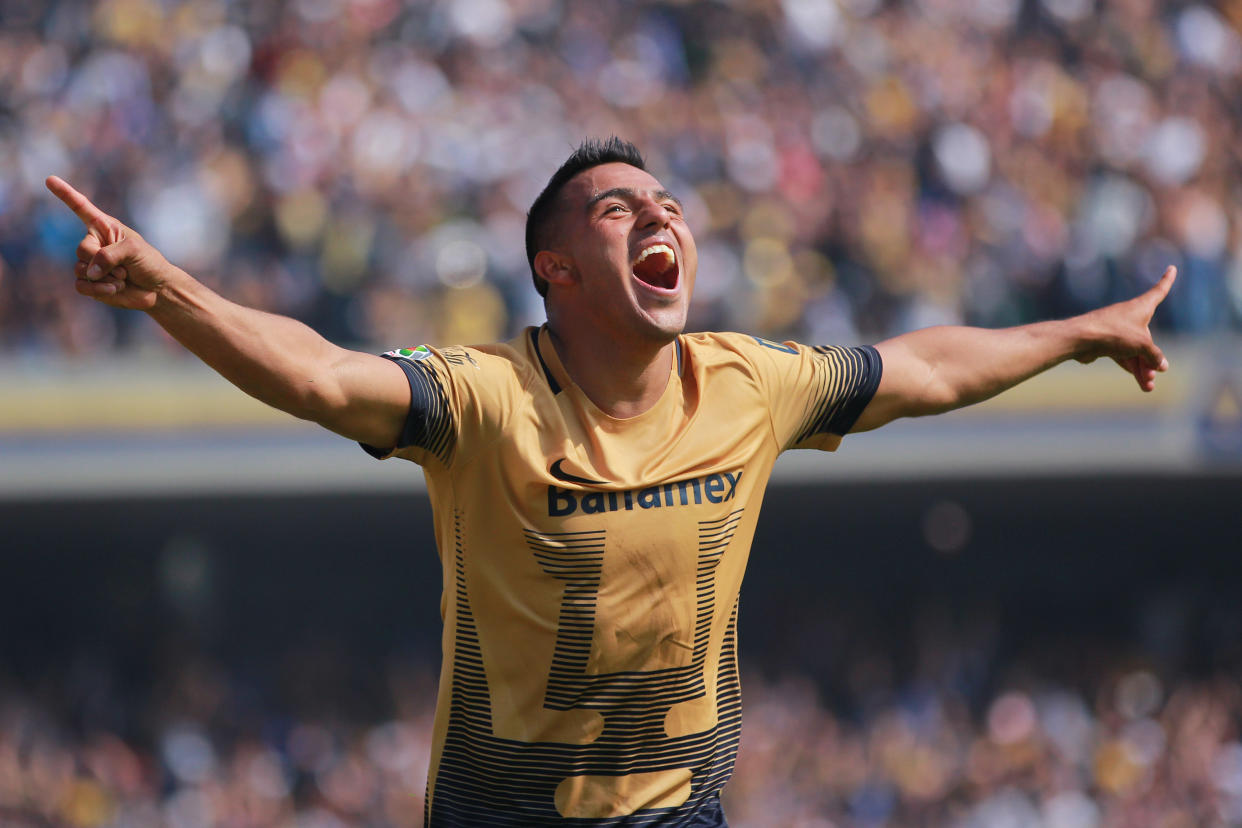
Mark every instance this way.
x=595 y=482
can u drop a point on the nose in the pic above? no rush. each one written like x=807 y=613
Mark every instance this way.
x=652 y=212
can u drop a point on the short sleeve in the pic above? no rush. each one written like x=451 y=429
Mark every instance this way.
x=816 y=394
x=441 y=400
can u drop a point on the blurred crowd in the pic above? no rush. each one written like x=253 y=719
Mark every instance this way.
x=1127 y=752
x=852 y=168
x=1111 y=745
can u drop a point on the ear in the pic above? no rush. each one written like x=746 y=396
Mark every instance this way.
x=554 y=268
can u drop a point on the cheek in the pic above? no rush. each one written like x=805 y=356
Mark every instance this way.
x=610 y=249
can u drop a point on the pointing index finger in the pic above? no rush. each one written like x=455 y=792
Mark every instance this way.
x=82 y=207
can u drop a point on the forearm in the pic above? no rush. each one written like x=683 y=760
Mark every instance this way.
x=954 y=367
x=939 y=369
x=274 y=359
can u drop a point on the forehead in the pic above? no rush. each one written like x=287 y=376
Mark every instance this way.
x=606 y=177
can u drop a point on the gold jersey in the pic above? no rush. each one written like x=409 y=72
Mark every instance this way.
x=592 y=567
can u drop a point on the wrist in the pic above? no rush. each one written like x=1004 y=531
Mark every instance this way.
x=1084 y=338
x=174 y=292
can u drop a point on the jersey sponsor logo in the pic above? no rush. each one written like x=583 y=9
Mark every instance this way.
x=710 y=488
x=560 y=474
x=416 y=354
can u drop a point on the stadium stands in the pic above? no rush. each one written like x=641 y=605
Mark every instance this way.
x=853 y=169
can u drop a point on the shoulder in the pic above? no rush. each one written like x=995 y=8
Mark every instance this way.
x=494 y=361
x=722 y=344
x=722 y=348
x=743 y=343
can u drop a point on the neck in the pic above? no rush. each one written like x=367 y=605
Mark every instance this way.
x=622 y=379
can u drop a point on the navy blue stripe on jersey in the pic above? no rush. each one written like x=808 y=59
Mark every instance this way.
x=429 y=423
x=547 y=372
x=484 y=779
x=843 y=392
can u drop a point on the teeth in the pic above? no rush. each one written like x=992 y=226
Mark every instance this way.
x=656 y=249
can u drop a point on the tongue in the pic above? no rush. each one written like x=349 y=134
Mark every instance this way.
x=658 y=270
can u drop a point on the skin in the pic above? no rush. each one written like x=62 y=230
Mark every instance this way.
x=614 y=334
x=273 y=358
x=939 y=369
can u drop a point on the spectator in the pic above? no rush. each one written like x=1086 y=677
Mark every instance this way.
x=854 y=169
x=1103 y=740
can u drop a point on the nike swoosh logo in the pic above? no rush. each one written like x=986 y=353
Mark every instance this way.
x=560 y=474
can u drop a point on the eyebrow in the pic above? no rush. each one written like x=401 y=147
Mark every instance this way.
x=631 y=193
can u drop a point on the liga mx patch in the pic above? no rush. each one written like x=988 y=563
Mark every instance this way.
x=416 y=354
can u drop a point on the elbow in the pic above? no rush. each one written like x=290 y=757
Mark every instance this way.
x=936 y=396
x=932 y=405
x=311 y=400
x=946 y=398
x=941 y=397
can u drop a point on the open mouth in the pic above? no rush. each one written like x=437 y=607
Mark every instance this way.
x=656 y=266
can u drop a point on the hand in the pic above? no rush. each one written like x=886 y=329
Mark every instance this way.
x=115 y=265
x=1122 y=331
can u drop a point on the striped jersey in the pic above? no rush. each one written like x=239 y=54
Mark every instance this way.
x=591 y=569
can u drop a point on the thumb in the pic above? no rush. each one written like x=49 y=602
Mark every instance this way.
x=111 y=258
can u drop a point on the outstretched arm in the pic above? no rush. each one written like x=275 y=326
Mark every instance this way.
x=273 y=358
x=939 y=369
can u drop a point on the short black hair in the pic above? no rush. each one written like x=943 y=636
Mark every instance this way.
x=590 y=153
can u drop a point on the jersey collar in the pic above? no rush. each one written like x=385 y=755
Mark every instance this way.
x=554 y=372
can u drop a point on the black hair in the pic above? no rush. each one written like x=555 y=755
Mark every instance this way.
x=590 y=153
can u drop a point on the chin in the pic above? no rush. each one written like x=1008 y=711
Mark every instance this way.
x=665 y=328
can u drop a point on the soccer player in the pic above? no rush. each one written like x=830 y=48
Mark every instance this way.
x=595 y=483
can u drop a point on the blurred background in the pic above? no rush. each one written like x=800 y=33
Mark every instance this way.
x=1023 y=614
